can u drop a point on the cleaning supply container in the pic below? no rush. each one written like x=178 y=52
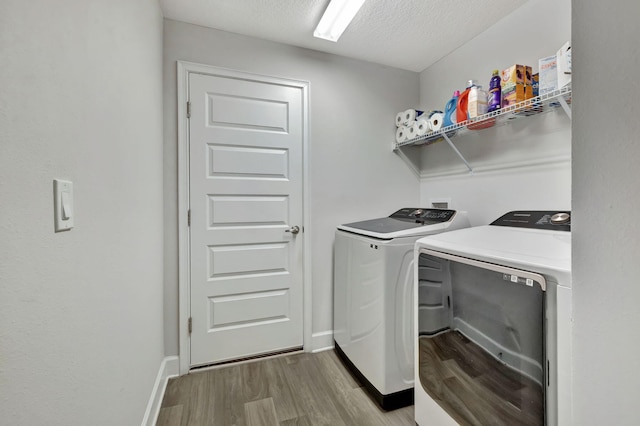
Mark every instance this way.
x=476 y=107
x=462 y=105
x=495 y=92
x=450 y=110
x=477 y=103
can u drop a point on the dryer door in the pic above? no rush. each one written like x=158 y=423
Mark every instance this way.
x=481 y=353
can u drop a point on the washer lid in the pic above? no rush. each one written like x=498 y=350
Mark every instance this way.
x=408 y=222
x=383 y=225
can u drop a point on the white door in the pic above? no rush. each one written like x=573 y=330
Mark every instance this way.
x=245 y=172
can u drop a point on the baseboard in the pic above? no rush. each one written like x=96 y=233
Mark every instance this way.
x=169 y=367
x=322 y=341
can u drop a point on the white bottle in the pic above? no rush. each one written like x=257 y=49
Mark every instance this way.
x=477 y=101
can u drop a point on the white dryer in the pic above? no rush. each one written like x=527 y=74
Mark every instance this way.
x=373 y=297
x=494 y=323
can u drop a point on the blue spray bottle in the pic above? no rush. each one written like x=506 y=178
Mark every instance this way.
x=450 y=110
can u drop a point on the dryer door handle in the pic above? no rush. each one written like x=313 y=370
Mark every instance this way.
x=511 y=272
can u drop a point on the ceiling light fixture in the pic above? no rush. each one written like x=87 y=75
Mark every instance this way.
x=337 y=18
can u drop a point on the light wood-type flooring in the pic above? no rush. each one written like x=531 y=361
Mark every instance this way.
x=298 y=389
x=475 y=388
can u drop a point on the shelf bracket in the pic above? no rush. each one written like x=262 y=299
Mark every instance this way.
x=407 y=161
x=446 y=138
x=565 y=106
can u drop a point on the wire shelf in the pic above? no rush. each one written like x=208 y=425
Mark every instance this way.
x=540 y=104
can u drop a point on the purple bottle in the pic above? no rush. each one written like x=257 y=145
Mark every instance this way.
x=494 y=102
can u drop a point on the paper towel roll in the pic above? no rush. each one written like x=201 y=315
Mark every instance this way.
x=423 y=126
x=435 y=121
x=411 y=115
x=400 y=119
x=402 y=134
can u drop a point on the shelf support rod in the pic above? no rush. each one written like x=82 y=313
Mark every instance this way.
x=408 y=161
x=565 y=106
x=446 y=138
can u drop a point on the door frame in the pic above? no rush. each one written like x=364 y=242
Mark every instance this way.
x=184 y=289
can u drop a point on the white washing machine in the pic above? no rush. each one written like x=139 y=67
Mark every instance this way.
x=373 y=298
x=494 y=323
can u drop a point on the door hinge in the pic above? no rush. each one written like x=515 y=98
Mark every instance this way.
x=189 y=217
x=188 y=109
x=190 y=325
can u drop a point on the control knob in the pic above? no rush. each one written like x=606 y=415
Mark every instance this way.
x=560 y=218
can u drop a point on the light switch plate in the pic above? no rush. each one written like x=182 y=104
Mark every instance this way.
x=63 y=204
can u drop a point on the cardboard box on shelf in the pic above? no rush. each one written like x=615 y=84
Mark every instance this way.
x=514 y=93
x=528 y=91
x=548 y=75
x=564 y=65
x=528 y=75
x=515 y=74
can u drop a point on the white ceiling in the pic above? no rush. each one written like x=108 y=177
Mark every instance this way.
x=406 y=34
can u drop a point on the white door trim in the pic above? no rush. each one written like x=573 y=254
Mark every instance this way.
x=184 y=304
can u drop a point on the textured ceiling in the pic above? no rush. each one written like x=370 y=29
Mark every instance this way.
x=406 y=34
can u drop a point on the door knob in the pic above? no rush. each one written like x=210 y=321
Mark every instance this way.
x=294 y=229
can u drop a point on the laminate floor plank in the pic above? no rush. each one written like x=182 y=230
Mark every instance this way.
x=311 y=397
x=331 y=382
x=298 y=421
x=196 y=415
x=401 y=416
x=170 y=416
x=355 y=404
x=299 y=389
x=330 y=361
x=254 y=381
x=279 y=390
x=177 y=391
x=214 y=399
x=261 y=413
x=229 y=398
x=363 y=411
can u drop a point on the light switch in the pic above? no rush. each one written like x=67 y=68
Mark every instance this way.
x=67 y=212
x=63 y=204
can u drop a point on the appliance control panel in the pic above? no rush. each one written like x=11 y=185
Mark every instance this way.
x=424 y=215
x=536 y=219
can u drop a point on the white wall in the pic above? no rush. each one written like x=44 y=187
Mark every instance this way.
x=606 y=202
x=81 y=311
x=353 y=172
x=524 y=165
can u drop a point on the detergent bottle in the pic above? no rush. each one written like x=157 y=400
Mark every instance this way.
x=477 y=102
x=476 y=107
x=450 y=110
x=463 y=102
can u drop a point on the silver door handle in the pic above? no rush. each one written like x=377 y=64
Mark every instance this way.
x=294 y=229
